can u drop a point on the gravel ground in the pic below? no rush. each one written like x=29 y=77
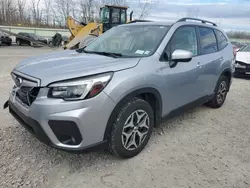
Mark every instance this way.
x=201 y=148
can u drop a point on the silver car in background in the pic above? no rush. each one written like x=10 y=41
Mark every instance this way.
x=114 y=91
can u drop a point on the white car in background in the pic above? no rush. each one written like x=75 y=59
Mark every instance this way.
x=242 y=64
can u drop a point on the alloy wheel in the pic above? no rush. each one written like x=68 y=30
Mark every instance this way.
x=222 y=91
x=135 y=130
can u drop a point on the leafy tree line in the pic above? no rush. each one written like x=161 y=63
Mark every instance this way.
x=239 y=34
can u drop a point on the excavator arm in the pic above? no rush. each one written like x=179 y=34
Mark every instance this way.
x=80 y=30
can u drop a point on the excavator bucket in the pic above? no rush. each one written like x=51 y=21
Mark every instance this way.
x=82 y=32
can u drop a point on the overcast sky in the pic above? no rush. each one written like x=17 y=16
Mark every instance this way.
x=229 y=14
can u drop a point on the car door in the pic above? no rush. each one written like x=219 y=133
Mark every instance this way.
x=210 y=61
x=181 y=78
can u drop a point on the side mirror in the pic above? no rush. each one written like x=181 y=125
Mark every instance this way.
x=182 y=56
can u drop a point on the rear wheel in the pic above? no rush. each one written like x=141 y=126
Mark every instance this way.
x=132 y=128
x=221 y=91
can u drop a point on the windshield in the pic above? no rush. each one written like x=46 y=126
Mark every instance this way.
x=246 y=48
x=3 y=34
x=130 y=40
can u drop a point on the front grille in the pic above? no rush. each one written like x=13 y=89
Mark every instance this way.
x=27 y=95
x=24 y=90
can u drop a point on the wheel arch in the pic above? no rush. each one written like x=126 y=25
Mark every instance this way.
x=151 y=95
x=227 y=73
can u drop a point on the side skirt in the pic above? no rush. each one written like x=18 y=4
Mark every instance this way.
x=189 y=106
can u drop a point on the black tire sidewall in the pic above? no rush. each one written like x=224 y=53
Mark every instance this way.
x=221 y=79
x=116 y=142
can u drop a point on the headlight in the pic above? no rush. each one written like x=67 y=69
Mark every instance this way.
x=79 y=88
x=237 y=65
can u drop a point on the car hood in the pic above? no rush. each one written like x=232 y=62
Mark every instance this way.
x=70 y=64
x=243 y=57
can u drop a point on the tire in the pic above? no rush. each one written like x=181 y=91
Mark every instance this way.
x=221 y=91
x=9 y=44
x=122 y=145
x=18 y=42
x=86 y=40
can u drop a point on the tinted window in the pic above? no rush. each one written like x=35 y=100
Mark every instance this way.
x=222 y=40
x=184 y=39
x=207 y=40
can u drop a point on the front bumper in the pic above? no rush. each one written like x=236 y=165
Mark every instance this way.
x=75 y=125
x=242 y=71
x=30 y=124
x=242 y=68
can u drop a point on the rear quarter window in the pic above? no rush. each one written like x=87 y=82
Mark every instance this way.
x=207 y=40
x=222 y=40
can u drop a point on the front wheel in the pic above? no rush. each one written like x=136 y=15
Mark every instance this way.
x=132 y=128
x=221 y=91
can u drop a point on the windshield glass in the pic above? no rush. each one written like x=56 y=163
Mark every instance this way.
x=246 y=48
x=105 y=15
x=130 y=40
x=3 y=34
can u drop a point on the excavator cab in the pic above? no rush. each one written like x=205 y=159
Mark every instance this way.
x=82 y=33
x=112 y=16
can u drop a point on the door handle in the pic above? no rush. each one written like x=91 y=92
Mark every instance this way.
x=221 y=59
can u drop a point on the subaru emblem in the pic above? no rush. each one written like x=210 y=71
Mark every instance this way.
x=18 y=81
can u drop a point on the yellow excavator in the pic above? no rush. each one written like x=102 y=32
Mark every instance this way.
x=82 y=34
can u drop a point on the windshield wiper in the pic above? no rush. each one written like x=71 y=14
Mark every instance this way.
x=80 y=50
x=115 y=55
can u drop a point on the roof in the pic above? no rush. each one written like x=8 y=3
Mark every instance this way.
x=179 y=22
x=117 y=6
x=152 y=23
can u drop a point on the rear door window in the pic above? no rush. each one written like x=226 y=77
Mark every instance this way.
x=222 y=40
x=207 y=40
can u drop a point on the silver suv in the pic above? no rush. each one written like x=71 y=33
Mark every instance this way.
x=114 y=91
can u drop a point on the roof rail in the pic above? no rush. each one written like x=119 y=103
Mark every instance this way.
x=196 y=19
